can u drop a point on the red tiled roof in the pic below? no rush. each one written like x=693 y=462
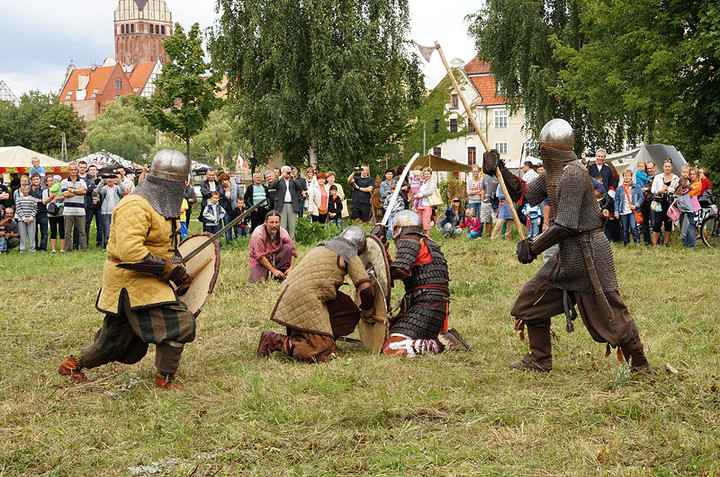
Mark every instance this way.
x=140 y=74
x=99 y=78
x=484 y=83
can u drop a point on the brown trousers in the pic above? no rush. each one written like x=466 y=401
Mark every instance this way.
x=124 y=337
x=537 y=308
x=314 y=347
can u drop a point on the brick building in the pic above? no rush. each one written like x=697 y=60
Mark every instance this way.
x=141 y=26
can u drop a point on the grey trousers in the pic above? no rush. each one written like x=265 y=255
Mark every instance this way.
x=27 y=233
x=288 y=219
x=79 y=222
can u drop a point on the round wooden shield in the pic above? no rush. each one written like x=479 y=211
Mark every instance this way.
x=202 y=269
x=373 y=323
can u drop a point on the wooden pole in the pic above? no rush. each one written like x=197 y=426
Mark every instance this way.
x=471 y=116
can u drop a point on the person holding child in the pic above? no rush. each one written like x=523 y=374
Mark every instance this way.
x=53 y=200
x=628 y=200
x=689 y=188
x=111 y=191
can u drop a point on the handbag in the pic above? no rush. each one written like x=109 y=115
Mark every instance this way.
x=52 y=208
x=695 y=203
x=656 y=206
x=673 y=212
x=638 y=215
x=322 y=210
x=435 y=199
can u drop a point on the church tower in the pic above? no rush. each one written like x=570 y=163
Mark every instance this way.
x=141 y=26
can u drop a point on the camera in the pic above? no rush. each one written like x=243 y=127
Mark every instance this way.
x=357 y=169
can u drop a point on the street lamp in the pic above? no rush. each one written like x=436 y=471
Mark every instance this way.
x=63 y=144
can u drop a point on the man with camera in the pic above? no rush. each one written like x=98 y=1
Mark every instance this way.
x=364 y=186
x=111 y=190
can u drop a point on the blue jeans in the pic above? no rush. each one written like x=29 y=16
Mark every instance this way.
x=687 y=230
x=241 y=231
x=473 y=235
x=534 y=229
x=228 y=233
x=3 y=245
x=42 y=222
x=337 y=221
x=89 y=214
x=629 y=224
x=106 y=219
x=302 y=208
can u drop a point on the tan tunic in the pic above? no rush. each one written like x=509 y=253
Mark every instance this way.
x=310 y=285
x=136 y=230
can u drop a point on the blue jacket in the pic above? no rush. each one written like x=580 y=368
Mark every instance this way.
x=451 y=218
x=636 y=197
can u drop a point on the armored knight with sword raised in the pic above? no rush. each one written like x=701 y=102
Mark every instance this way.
x=582 y=272
x=140 y=304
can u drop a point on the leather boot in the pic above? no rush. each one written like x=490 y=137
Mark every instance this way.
x=655 y=238
x=540 y=356
x=452 y=341
x=167 y=381
x=270 y=342
x=634 y=354
x=71 y=368
x=666 y=238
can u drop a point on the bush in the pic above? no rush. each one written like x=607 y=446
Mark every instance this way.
x=310 y=233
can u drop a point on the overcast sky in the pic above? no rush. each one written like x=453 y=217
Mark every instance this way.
x=38 y=38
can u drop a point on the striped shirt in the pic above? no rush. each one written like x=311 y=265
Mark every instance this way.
x=74 y=205
x=25 y=208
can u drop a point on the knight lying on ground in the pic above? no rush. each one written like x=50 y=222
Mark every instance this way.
x=582 y=272
x=139 y=303
x=421 y=325
x=311 y=306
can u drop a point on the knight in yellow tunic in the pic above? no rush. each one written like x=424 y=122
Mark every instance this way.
x=138 y=300
x=310 y=305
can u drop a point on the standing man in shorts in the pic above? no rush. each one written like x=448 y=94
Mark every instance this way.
x=364 y=186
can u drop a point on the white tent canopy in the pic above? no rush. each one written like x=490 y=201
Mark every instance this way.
x=14 y=157
x=104 y=157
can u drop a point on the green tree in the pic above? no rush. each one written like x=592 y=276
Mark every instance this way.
x=654 y=60
x=28 y=124
x=324 y=81
x=184 y=95
x=122 y=130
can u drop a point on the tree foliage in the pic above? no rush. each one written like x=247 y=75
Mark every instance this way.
x=326 y=80
x=122 y=130
x=28 y=124
x=615 y=69
x=183 y=97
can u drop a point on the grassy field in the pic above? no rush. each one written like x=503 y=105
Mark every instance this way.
x=455 y=414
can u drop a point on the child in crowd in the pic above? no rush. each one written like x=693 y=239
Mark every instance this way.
x=111 y=192
x=532 y=212
x=241 y=229
x=704 y=179
x=474 y=227
x=335 y=207
x=416 y=181
x=214 y=214
x=641 y=176
x=183 y=219
x=36 y=168
x=628 y=199
x=25 y=213
x=56 y=188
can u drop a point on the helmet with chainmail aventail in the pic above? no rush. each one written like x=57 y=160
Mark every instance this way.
x=406 y=221
x=164 y=186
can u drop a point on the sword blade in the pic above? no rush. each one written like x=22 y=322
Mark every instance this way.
x=398 y=187
x=220 y=233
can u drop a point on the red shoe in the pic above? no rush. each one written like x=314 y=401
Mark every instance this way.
x=166 y=382
x=69 y=367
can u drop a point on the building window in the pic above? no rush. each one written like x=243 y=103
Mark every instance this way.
x=68 y=95
x=470 y=127
x=118 y=84
x=95 y=92
x=162 y=29
x=436 y=128
x=501 y=119
x=472 y=155
x=437 y=151
x=501 y=147
x=453 y=125
x=122 y=28
x=454 y=103
x=132 y=28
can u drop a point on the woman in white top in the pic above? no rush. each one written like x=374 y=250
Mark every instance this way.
x=426 y=190
x=318 y=193
x=663 y=187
